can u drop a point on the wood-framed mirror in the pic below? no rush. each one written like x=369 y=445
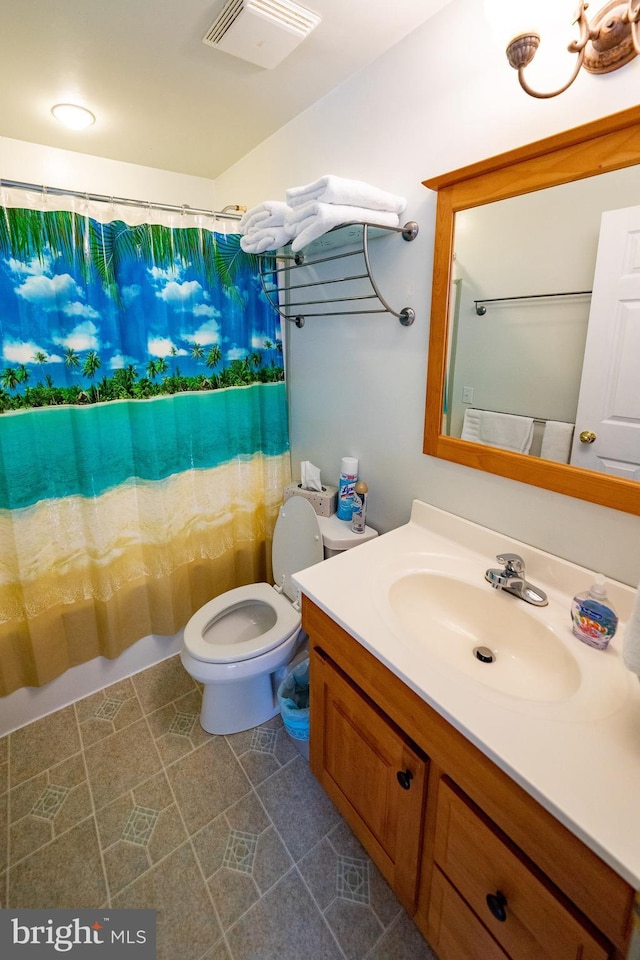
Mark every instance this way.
x=592 y=150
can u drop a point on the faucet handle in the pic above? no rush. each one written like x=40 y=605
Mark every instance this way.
x=513 y=563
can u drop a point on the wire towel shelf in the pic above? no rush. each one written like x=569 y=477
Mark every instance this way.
x=358 y=235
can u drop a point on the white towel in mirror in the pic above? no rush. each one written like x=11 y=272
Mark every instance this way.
x=556 y=441
x=504 y=430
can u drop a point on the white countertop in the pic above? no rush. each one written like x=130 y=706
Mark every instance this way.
x=580 y=758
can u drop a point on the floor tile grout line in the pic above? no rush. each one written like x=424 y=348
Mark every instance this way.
x=7 y=877
x=292 y=869
x=94 y=813
x=56 y=836
x=114 y=729
x=163 y=768
x=320 y=910
x=105 y=874
x=294 y=861
x=188 y=834
x=400 y=909
x=294 y=864
x=369 y=954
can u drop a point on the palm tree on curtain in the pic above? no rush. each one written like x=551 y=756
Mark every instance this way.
x=71 y=358
x=9 y=378
x=91 y=364
x=197 y=352
x=90 y=367
x=214 y=356
x=40 y=357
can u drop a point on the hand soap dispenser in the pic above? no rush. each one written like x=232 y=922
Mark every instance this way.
x=594 y=619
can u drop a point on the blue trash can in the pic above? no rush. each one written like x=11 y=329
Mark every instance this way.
x=293 y=697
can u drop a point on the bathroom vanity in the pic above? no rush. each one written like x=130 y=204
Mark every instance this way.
x=501 y=808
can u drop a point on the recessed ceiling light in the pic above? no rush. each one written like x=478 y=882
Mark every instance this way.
x=73 y=116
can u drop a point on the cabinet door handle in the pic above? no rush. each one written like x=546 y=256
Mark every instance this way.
x=404 y=778
x=497 y=903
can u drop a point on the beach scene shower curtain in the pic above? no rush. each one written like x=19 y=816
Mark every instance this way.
x=143 y=427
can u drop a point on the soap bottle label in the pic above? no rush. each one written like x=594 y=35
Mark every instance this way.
x=594 y=623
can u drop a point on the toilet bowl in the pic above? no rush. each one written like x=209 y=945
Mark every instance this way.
x=238 y=644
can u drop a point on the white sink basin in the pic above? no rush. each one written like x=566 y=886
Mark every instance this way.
x=450 y=618
x=439 y=608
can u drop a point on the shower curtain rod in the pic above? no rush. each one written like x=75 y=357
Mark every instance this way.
x=103 y=198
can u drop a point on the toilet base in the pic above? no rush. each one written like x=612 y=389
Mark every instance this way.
x=234 y=707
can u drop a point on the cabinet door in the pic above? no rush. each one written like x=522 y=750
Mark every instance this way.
x=526 y=916
x=372 y=772
x=455 y=931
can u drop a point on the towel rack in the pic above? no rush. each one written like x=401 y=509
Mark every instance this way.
x=283 y=296
x=481 y=310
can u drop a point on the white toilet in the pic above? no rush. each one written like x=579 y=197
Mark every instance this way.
x=238 y=643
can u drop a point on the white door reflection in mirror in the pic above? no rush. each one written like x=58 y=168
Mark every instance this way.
x=609 y=399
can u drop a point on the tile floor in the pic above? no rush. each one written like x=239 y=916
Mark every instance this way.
x=122 y=800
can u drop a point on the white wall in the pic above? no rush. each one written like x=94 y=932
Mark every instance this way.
x=441 y=98
x=52 y=167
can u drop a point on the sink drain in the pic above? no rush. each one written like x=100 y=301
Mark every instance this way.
x=484 y=654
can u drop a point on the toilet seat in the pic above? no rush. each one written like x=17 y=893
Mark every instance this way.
x=260 y=605
x=249 y=621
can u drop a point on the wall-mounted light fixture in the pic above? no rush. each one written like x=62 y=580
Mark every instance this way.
x=73 y=116
x=610 y=40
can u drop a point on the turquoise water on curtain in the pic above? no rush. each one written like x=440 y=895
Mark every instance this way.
x=63 y=451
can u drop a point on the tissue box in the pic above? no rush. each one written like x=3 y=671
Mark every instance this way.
x=324 y=502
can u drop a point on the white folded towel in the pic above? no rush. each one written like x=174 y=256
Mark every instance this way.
x=556 y=441
x=322 y=217
x=504 y=430
x=269 y=238
x=355 y=193
x=270 y=212
x=631 y=641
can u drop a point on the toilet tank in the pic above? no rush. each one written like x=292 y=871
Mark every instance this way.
x=337 y=535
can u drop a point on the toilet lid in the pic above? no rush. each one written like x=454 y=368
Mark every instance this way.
x=297 y=542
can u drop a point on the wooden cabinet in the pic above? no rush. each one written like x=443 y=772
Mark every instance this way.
x=525 y=915
x=454 y=929
x=461 y=834
x=374 y=775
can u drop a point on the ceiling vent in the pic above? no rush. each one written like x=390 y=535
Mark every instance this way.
x=261 y=31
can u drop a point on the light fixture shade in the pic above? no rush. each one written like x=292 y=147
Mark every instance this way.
x=73 y=116
x=513 y=18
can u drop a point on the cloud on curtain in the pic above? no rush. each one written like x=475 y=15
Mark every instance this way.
x=143 y=431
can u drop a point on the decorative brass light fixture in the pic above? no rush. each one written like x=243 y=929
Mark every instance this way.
x=609 y=41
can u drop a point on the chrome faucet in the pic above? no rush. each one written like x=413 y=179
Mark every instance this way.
x=511 y=578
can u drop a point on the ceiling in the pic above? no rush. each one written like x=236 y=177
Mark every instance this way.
x=164 y=99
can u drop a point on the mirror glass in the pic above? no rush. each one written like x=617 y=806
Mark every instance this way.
x=519 y=316
x=535 y=326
